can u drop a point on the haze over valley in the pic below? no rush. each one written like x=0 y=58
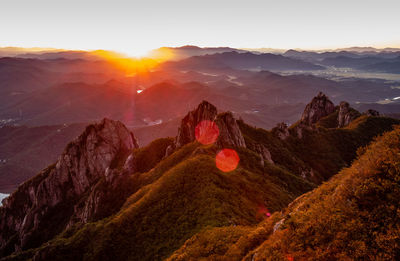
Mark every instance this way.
x=56 y=93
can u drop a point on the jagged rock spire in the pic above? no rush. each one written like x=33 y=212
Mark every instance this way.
x=319 y=107
x=346 y=114
x=229 y=132
x=67 y=185
x=186 y=132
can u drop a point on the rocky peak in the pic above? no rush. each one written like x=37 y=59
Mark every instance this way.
x=64 y=193
x=319 y=107
x=372 y=112
x=229 y=132
x=186 y=132
x=346 y=114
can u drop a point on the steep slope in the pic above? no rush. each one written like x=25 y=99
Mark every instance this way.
x=354 y=216
x=172 y=188
x=68 y=191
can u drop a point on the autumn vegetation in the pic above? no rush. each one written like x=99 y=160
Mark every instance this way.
x=182 y=207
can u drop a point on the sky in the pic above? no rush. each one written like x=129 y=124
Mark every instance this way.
x=135 y=27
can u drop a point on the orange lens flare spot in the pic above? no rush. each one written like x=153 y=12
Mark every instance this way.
x=290 y=258
x=227 y=160
x=206 y=132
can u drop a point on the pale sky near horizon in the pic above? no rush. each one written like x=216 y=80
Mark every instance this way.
x=134 y=27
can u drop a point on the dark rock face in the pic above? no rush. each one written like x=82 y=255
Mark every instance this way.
x=282 y=130
x=372 y=112
x=346 y=114
x=229 y=132
x=264 y=154
x=319 y=107
x=68 y=191
x=186 y=132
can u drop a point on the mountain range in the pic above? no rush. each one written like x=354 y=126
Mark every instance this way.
x=48 y=90
x=243 y=61
x=106 y=198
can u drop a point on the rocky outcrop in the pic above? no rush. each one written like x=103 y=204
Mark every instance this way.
x=264 y=154
x=186 y=132
x=130 y=164
x=307 y=174
x=69 y=191
x=319 y=107
x=346 y=114
x=229 y=132
x=281 y=130
x=372 y=112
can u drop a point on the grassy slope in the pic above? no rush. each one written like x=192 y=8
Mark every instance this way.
x=354 y=216
x=326 y=150
x=190 y=195
x=185 y=194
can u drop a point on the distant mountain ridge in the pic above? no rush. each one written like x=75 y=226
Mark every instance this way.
x=241 y=61
x=179 y=53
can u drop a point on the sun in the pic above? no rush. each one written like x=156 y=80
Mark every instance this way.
x=129 y=65
x=137 y=52
x=144 y=60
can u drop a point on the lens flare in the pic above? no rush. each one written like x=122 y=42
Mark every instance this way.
x=227 y=160
x=206 y=132
x=264 y=211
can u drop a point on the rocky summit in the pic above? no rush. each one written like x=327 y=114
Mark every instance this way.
x=229 y=132
x=66 y=192
x=186 y=132
x=319 y=107
x=346 y=114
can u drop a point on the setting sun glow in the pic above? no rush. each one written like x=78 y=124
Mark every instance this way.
x=130 y=65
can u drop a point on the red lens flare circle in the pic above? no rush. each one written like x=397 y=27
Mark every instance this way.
x=227 y=160
x=206 y=132
x=264 y=211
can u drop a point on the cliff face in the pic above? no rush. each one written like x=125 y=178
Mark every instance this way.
x=319 y=107
x=68 y=191
x=186 y=132
x=346 y=114
x=229 y=134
